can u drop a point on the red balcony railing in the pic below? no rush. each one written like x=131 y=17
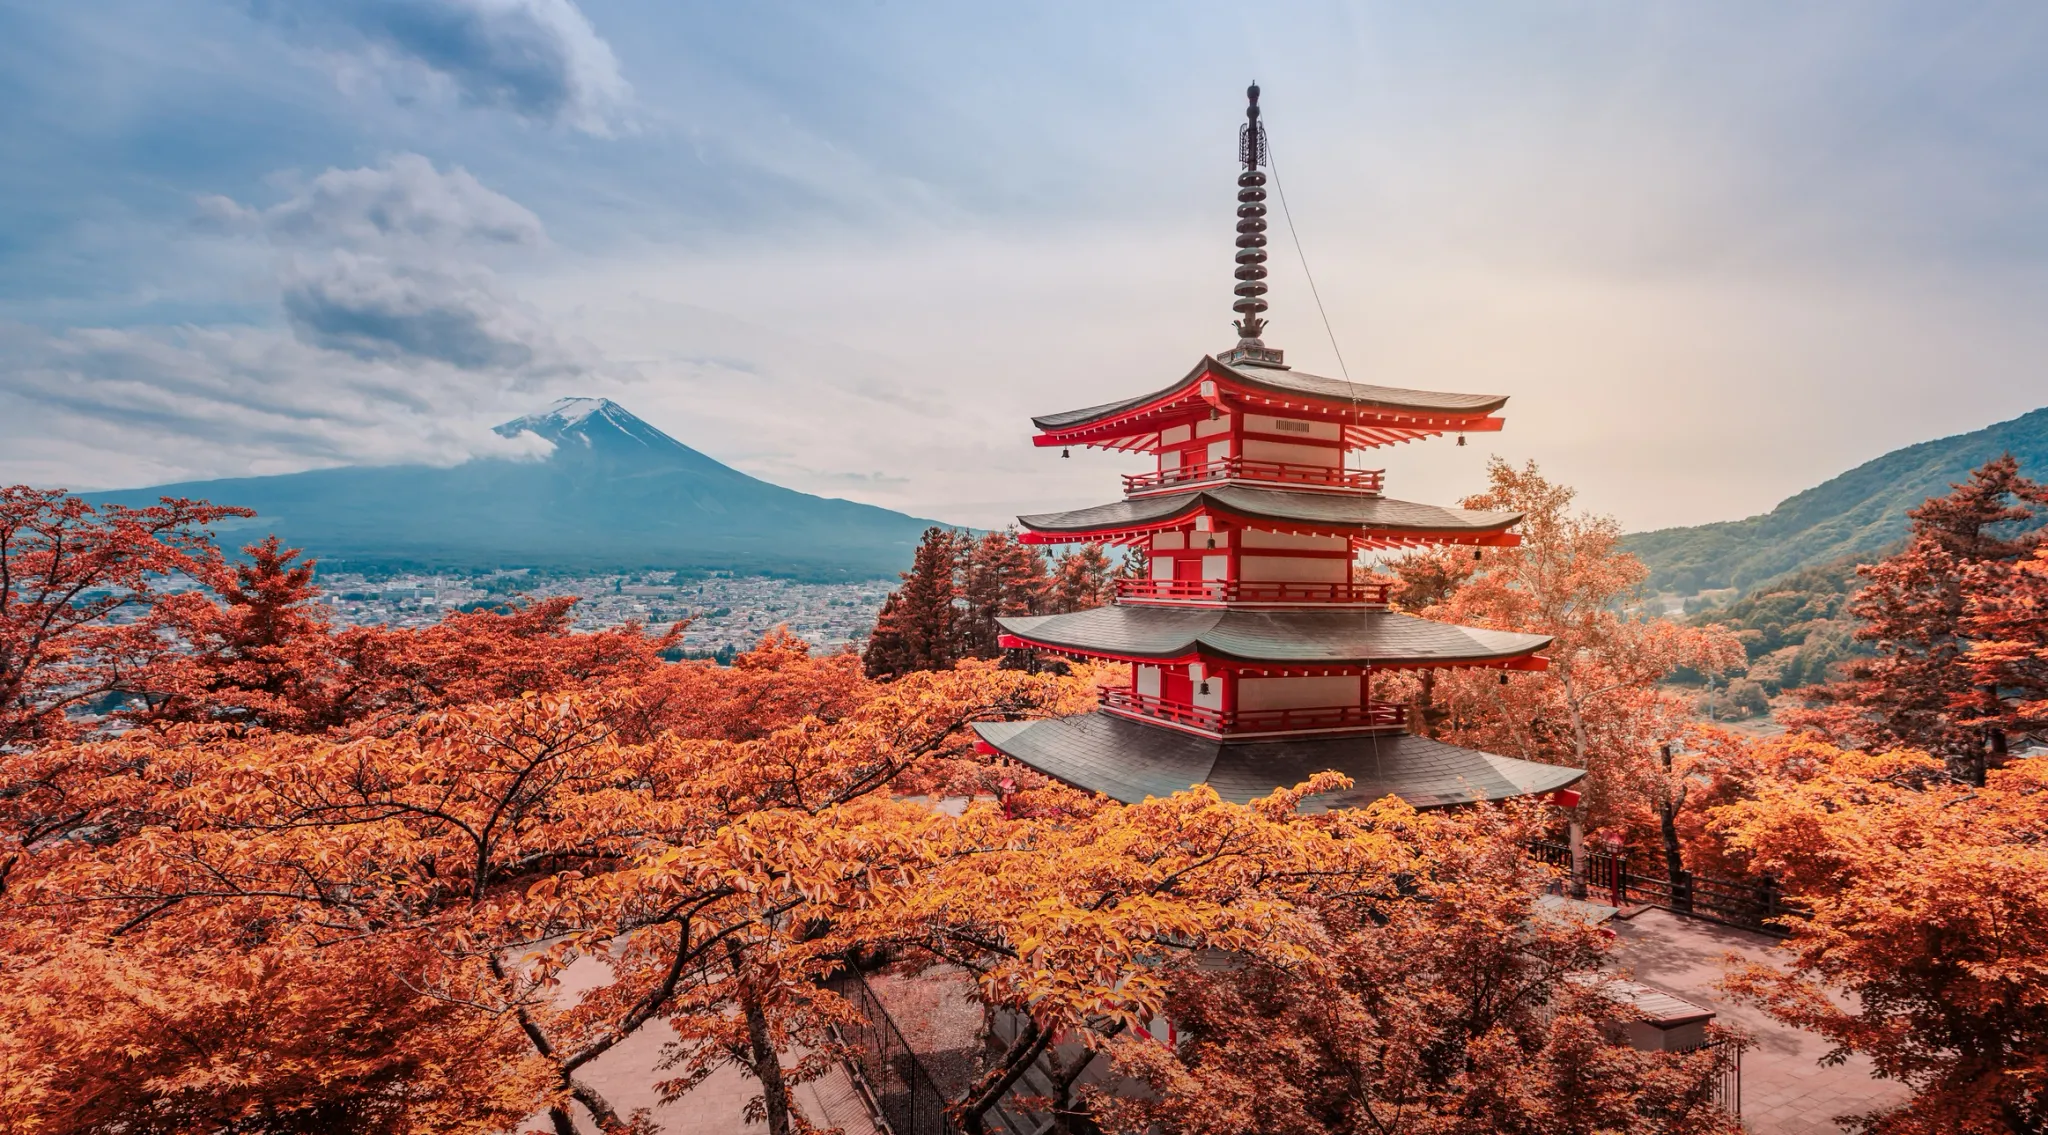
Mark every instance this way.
x=1248 y=591
x=1372 y=715
x=1266 y=472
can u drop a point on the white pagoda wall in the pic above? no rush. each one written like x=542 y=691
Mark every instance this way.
x=1299 y=693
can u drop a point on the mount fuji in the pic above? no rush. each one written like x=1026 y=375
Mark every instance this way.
x=615 y=493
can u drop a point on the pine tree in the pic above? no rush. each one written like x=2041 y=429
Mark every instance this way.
x=1000 y=575
x=919 y=625
x=1137 y=564
x=1919 y=692
x=2006 y=618
x=1084 y=579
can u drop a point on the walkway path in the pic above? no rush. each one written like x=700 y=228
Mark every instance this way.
x=1785 y=1088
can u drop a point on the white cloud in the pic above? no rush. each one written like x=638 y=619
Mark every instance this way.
x=142 y=405
x=404 y=199
x=389 y=262
x=400 y=344
x=538 y=59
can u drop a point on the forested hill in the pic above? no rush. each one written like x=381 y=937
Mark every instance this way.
x=615 y=493
x=1855 y=514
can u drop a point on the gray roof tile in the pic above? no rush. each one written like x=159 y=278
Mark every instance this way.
x=1334 y=509
x=1336 y=637
x=1285 y=382
x=1131 y=760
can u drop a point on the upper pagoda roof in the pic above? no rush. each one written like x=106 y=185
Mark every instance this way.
x=1131 y=760
x=1373 y=415
x=1348 y=637
x=1380 y=521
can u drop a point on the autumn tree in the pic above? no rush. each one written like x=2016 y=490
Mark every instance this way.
x=1598 y=706
x=79 y=624
x=919 y=624
x=2005 y=618
x=1437 y=999
x=1920 y=690
x=999 y=576
x=476 y=855
x=1083 y=578
x=1929 y=912
x=257 y=649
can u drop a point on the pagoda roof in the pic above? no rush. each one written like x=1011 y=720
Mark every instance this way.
x=1402 y=522
x=1299 y=638
x=1130 y=760
x=1375 y=415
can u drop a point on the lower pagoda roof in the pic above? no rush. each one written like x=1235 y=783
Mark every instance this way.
x=1130 y=760
x=1351 y=514
x=1345 y=637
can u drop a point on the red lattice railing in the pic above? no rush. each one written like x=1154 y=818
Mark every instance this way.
x=1248 y=591
x=1372 y=715
x=1267 y=472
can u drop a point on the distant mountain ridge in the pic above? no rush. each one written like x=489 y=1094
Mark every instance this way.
x=615 y=494
x=1856 y=514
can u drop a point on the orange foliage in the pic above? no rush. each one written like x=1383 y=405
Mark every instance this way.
x=1598 y=706
x=1930 y=911
x=335 y=877
x=1430 y=998
x=79 y=620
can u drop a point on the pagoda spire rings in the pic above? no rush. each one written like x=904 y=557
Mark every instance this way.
x=1250 y=289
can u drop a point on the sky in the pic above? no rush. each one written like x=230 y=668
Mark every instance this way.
x=1714 y=254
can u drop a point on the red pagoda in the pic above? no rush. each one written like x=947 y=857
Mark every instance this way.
x=1252 y=648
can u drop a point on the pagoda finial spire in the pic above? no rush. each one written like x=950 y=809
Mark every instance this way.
x=1251 y=242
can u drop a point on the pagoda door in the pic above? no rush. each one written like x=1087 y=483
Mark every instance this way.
x=1175 y=687
x=1187 y=576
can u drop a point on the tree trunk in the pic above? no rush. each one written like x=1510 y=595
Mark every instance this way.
x=1031 y=1042
x=765 y=1062
x=1667 y=814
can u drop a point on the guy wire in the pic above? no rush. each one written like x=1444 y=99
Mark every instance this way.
x=1295 y=235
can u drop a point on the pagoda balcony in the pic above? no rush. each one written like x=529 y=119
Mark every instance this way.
x=1279 y=473
x=1216 y=592
x=1372 y=716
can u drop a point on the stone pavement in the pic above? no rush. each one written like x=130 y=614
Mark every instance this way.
x=1785 y=1088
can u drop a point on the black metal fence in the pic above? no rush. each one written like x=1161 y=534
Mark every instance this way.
x=1750 y=905
x=1731 y=1079
x=910 y=1101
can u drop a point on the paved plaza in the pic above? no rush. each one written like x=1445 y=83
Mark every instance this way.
x=1785 y=1088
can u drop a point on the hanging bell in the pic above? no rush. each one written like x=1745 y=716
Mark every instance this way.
x=1214 y=413
x=1477 y=553
x=1212 y=541
x=1204 y=689
x=1503 y=677
x=1461 y=439
x=1066 y=453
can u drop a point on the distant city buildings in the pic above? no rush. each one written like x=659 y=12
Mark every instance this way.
x=722 y=610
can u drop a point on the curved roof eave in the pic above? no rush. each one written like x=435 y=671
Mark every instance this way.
x=1271 y=638
x=1282 y=506
x=1130 y=760
x=1285 y=383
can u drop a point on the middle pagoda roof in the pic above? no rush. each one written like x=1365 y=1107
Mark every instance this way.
x=1375 y=521
x=1370 y=415
x=1276 y=639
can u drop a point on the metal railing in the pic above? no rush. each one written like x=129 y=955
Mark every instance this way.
x=1749 y=905
x=1372 y=715
x=1250 y=591
x=1266 y=472
x=910 y=1100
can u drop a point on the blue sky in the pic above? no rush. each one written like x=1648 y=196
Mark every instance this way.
x=1715 y=253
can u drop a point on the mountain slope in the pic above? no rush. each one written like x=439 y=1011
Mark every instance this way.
x=1855 y=514
x=615 y=493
